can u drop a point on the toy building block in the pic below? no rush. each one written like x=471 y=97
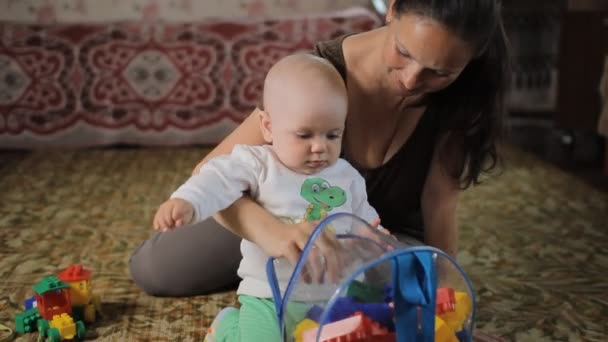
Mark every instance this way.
x=78 y=278
x=84 y=301
x=304 y=325
x=314 y=313
x=52 y=297
x=364 y=292
x=355 y=328
x=345 y=307
x=61 y=327
x=26 y=322
x=456 y=319
x=388 y=294
x=30 y=303
x=443 y=333
x=446 y=301
x=65 y=325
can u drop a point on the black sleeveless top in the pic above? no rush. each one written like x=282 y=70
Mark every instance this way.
x=395 y=188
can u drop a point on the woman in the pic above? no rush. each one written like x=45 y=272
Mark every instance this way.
x=425 y=112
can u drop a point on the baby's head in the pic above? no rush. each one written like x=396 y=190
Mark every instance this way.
x=305 y=107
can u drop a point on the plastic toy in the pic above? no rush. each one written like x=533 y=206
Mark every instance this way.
x=457 y=318
x=362 y=292
x=443 y=333
x=446 y=301
x=52 y=316
x=356 y=328
x=60 y=306
x=84 y=302
x=30 y=303
x=346 y=307
x=384 y=290
x=303 y=326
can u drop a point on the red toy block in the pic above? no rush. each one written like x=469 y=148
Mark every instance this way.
x=75 y=273
x=446 y=300
x=52 y=297
x=355 y=328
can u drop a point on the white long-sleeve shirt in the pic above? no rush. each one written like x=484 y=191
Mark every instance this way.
x=286 y=194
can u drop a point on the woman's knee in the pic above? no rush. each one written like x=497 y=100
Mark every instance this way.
x=185 y=262
x=145 y=274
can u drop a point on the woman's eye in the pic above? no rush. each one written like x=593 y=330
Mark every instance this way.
x=403 y=53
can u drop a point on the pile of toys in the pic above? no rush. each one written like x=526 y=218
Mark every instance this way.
x=383 y=290
x=60 y=306
x=367 y=314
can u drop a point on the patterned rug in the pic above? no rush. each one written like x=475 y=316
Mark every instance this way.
x=533 y=241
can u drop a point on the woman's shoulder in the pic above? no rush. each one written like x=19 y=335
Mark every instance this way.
x=332 y=51
x=259 y=154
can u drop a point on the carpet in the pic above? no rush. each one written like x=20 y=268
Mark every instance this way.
x=533 y=240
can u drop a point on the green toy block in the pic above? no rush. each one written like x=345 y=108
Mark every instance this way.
x=78 y=313
x=26 y=322
x=50 y=283
x=365 y=293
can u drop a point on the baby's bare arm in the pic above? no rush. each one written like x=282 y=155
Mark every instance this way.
x=172 y=214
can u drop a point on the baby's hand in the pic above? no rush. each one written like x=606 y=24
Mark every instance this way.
x=172 y=214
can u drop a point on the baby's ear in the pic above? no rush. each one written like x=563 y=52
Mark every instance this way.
x=265 y=125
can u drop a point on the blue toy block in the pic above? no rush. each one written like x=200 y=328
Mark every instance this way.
x=315 y=313
x=30 y=303
x=345 y=307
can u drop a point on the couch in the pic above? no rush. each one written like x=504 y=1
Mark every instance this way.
x=90 y=73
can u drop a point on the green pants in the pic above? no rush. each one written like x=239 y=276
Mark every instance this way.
x=256 y=320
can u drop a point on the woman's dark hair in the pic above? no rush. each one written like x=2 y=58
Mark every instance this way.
x=471 y=109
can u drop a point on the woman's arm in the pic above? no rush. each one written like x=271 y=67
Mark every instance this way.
x=439 y=202
x=247 y=133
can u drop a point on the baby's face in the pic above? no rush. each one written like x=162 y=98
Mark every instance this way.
x=310 y=139
x=306 y=104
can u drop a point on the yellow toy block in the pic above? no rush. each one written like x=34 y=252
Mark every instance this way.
x=303 y=326
x=65 y=324
x=456 y=319
x=89 y=313
x=443 y=333
x=80 y=291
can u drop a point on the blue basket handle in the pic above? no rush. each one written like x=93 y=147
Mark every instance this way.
x=276 y=292
x=415 y=288
x=272 y=276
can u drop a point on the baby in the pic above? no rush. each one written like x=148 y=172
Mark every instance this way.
x=297 y=176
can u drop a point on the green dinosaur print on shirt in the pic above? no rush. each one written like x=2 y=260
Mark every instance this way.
x=322 y=197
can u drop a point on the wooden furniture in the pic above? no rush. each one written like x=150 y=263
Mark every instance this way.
x=583 y=45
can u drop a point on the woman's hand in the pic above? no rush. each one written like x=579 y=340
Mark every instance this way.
x=375 y=223
x=172 y=214
x=378 y=234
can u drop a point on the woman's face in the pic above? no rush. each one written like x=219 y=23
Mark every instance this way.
x=422 y=56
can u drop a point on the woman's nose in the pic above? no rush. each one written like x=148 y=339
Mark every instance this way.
x=410 y=76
